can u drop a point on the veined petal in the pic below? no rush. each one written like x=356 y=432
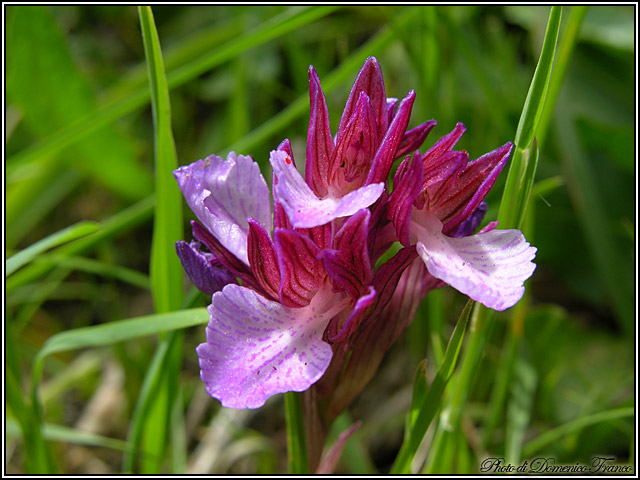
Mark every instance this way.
x=301 y=271
x=257 y=347
x=354 y=150
x=406 y=187
x=414 y=138
x=319 y=142
x=340 y=329
x=463 y=192
x=304 y=208
x=386 y=154
x=201 y=268
x=263 y=259
x=348 y=264
x=489 y=267
x=369 y=81
x=223 y=194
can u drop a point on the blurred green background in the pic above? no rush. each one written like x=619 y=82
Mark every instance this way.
x=79 y=146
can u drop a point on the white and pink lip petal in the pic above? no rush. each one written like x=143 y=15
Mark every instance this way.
x=257 y=348
x=489 y=267
x=304 y=208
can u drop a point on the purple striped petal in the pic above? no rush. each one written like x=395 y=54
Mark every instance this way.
x=354 y=151
x=303 y=208
x=489 y=267
x=414 y=138
x=223 y=194
x=257 y=348
x=301 y=271
x=319 y=141
x=202 y=269
x=406 y=187
x=348 y=264
x=465 y=191
x=339 y=331
x=369 y=81
x=386 y=154
x=263 y=259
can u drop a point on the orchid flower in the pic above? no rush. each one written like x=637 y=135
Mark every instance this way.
x=436 y=205
x=296 y=298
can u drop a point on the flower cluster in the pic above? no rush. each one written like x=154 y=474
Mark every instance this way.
x=297 y=299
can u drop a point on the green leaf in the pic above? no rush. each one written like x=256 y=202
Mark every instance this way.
x=521 y=174
x=431 y=401
x=60 y=433
x=339 y=75
x=49 y=89
x=554 y=435
x=23 y=257
x=119 y=331
x=291 y=19
x=296 y=434
x=119 y=222
x=166 y=271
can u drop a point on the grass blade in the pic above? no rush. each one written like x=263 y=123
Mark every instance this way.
x=119 y=222
x=520 y=175
x=292 y=19
x=555 y=434
x=431 y=401
x=338 y=76
x=166 y=271
x=565 y=51
x=60 y=433
x=78 y=230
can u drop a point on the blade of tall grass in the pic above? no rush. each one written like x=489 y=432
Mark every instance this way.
x=60 y=433
x=47 y=85
x=551 y=436
x=563 y=57
x=520 y=175
x=290 y=20
x=165 y=267
x=78 y=230
x=39 y=459
x=431 y=401
x=523 y=388
x=118 y=331
x=166 y=271
x=121 y=221
x=336 y=78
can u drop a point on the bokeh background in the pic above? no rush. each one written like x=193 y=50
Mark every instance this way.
x=79 y=146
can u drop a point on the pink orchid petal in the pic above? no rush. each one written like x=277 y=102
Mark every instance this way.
x=263 y=260
x=300 y=269
x=257 y=348
x=304 y=208
x=319 y=141
x=369 y=81
x=223 y=194
x=489 y=267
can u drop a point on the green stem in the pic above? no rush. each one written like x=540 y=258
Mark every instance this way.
x=296 y=441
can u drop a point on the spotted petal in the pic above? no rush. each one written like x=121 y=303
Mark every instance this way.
x=304 y=208
x=489 y=267
x=257 y=348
